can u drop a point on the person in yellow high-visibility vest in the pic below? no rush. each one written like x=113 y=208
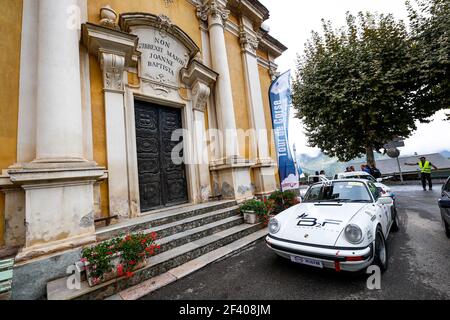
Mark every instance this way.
x=425 y=171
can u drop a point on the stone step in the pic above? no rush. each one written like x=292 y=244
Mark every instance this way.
x=159 y=264
x=167 y=230
x=159 y=218
x=181 y=238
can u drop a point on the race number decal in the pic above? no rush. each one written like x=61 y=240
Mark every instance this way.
x=306 y=221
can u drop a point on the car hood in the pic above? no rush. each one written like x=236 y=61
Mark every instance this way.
x=317 y=224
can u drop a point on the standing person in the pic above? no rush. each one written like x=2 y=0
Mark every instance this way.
x=316 y=177
x=367 y=169
x=375 y=172
x=425 y=172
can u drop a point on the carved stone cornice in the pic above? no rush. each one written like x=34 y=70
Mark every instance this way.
x=98 y=39
x=200 y=79
x=213 y=11
x=116 y=51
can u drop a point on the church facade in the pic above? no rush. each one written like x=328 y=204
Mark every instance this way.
x=113 y=110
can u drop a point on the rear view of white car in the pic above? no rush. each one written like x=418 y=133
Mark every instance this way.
x=341 y=224
x=384 y=189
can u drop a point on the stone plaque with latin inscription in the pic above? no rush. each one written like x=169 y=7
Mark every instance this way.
x=163 y=56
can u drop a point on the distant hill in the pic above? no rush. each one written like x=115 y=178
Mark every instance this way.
x=332 y=166
x=446 y=154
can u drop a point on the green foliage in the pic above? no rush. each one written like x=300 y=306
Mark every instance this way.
x=280 y=201
x=430 y=33
x=354 y=86
x=256 y=206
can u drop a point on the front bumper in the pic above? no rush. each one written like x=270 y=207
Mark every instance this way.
x=332 y=258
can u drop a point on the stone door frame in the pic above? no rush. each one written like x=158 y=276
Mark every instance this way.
x=131 y=95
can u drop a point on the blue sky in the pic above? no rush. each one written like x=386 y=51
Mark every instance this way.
x=292 y=21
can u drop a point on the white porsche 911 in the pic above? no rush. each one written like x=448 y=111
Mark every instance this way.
x=341 y=224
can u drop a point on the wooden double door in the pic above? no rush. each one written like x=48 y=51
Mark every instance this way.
x=162 y=181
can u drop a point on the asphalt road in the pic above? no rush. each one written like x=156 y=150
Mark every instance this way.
x=419 y=266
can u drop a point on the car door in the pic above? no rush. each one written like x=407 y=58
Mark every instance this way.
x=383 y=212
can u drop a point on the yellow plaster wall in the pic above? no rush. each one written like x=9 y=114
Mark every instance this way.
x=239 y=90
x=266 y=81
x=10 y=44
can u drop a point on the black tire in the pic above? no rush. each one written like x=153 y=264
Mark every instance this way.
x=381 y=253
x=447 y=229
x=396 y=221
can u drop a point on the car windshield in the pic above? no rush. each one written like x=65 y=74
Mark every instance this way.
x=339 y=191
x=365 y=177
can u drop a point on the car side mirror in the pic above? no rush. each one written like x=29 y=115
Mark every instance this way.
x=380 y=180
x=444 y=203
x=385 y=201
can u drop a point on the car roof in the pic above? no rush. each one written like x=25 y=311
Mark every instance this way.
x=342 y=180
x=354 y=173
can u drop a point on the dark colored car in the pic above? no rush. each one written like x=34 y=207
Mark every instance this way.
x=444 y=204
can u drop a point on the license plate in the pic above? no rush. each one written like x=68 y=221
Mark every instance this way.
x=307 y=261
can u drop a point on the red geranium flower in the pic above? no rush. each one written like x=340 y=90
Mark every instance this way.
x=129 y=274
x=120 y=270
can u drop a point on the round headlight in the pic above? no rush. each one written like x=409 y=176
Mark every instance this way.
x=274 y=226
x=353 y=234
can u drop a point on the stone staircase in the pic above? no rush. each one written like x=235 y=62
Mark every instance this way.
x=184 y=233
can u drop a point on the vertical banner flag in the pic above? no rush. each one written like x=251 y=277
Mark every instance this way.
x=280 y=102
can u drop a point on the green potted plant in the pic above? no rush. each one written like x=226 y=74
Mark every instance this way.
x=280 y=201
x=254 y=211
x=117 y=257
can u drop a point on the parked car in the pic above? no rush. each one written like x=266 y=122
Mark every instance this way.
x=444 y=204
x=384 y=189
x=316 y=178
x=341 y=224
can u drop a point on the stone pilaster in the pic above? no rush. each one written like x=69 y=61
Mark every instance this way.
x=264 y=172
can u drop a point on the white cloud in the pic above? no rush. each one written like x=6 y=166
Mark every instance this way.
x=291 y=22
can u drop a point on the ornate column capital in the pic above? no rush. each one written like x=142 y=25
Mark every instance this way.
x=213 y=12
x=249 y=42
x=113 y=66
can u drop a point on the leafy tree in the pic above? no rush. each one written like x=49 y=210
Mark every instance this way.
x=354 y=86
x=430 y=33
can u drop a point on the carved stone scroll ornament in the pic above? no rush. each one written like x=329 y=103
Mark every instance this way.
x=200 y=95
x=213 y=9
x=113 y=66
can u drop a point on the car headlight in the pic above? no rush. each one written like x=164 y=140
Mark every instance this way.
x=274 y=226
x=353 y=234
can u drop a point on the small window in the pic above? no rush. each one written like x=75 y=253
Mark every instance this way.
x=374 y=190
x=447 y=186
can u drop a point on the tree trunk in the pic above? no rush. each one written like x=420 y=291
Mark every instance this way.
x=370 y=156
